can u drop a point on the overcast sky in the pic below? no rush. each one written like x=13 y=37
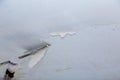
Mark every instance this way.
x=34 y=14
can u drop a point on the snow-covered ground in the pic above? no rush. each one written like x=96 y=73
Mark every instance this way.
x=84 y=38
x=91 y=54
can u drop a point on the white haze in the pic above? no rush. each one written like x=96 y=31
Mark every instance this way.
x=91 y=54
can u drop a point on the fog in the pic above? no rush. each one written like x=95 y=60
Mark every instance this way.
x=91 y=54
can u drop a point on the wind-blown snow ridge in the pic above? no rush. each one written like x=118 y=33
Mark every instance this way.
x=63 y=34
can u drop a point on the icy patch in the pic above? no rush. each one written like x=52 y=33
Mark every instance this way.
x=37 y=57
x=63 y=34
